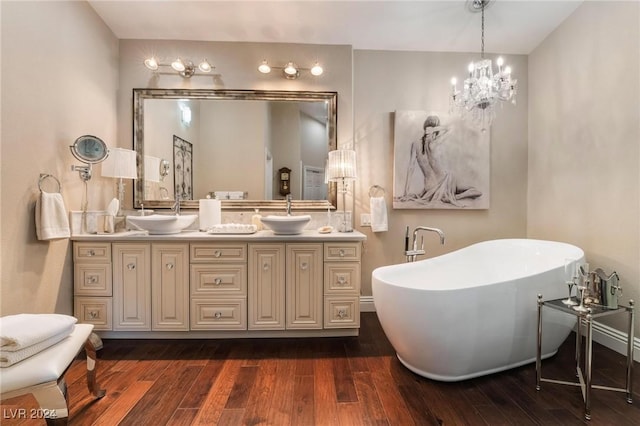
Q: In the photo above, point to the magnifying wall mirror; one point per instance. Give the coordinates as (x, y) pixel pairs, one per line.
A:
(89, 150)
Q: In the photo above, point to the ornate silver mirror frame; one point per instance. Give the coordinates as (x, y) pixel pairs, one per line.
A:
(140, 95)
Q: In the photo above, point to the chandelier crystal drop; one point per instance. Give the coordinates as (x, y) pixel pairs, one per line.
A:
(481, 90)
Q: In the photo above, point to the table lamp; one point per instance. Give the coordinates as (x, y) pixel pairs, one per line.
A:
(341, 167)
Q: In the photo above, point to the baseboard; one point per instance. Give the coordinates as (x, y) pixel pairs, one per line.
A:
(615, 340)
(366, 304)
(607, 336)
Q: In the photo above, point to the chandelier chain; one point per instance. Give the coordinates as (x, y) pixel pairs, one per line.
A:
(482, 5)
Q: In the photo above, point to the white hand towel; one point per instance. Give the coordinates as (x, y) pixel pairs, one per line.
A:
(8, 358)
(52, 220)
(24, 330)
(378, 210)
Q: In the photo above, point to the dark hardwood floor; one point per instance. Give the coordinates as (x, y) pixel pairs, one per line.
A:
(329, 381)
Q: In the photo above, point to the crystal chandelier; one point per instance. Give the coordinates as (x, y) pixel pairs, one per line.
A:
(482, 88)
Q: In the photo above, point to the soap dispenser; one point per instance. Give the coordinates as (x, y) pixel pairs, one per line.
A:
(256, 220)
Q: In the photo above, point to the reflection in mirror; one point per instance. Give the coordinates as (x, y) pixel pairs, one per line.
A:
(230, 144)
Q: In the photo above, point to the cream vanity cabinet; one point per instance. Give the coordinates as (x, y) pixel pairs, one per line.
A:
(218, 286)
(251, 286)
(150, 287)
(92, 284)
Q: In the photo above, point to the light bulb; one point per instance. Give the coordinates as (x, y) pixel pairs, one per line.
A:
(316, 69)
(290, 69)
(454, 81)
(470, 67)
(178, 65)
(507, 70)
(500, 61)
(151, 63)
(205, 66)
(264, 67)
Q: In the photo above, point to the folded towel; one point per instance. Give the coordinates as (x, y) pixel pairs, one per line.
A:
(52, 220)
(23, 330)
(378, 210)
(8, 358)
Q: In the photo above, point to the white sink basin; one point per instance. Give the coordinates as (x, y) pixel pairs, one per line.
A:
(162, 224)
(286, 225)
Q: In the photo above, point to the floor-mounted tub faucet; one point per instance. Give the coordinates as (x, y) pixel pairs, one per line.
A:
(413, 254)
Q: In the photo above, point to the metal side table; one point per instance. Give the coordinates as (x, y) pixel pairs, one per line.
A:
(584, 377)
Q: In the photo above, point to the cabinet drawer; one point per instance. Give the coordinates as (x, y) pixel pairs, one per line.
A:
(341, 312)
(218, 279)
(212, 252)
(219, 314)
(92, 252)
(94, 310)
(91, 279)
(342, 251)
(342, 278)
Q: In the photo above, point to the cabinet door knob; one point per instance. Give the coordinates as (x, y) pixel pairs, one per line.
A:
(217, 253)
(169, 266)
(265, 266)
(217, 281)
(304, 266)
(131, 266)
(217, 315)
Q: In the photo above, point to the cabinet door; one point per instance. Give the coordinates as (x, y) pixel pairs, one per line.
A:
(266, 298)
(170, 286)
(131, 286)
(304, 286)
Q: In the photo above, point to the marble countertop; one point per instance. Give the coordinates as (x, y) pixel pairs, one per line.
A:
(194, 235)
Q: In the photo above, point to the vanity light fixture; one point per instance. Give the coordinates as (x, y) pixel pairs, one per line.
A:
(291, 71)
(185, 68)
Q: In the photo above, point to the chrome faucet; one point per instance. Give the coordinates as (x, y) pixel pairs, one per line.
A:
(288, 204)
(413, 254)
(176, 205)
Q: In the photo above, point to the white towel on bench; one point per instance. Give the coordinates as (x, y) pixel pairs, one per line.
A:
(9, 358)
(23, 330)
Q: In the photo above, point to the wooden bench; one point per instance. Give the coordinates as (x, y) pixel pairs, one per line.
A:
(43, 375)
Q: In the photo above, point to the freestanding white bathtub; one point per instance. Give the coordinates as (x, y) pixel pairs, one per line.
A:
(473, 311)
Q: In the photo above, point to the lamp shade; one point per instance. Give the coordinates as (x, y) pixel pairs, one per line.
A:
(151, 169)
(121, 163)
(341, 164)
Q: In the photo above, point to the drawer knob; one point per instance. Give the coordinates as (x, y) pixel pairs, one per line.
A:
(217, 281)
(217, 315)
(341, 253)
(92, 279)
(342, 313)
(169, 266)
(342, 280)
(217, 253)
(91, 253)
(131, 266)
(93, 315)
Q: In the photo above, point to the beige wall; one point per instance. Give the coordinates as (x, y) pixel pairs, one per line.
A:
(584, 150)
(388, 81)
(236, 68)
(61, 85)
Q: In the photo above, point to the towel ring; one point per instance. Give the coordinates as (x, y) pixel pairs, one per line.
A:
(376, 191)
(45, 176)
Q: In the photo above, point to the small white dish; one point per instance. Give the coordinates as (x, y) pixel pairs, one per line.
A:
(325, 229)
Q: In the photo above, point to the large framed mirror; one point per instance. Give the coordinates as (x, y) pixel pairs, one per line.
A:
(234, 145)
